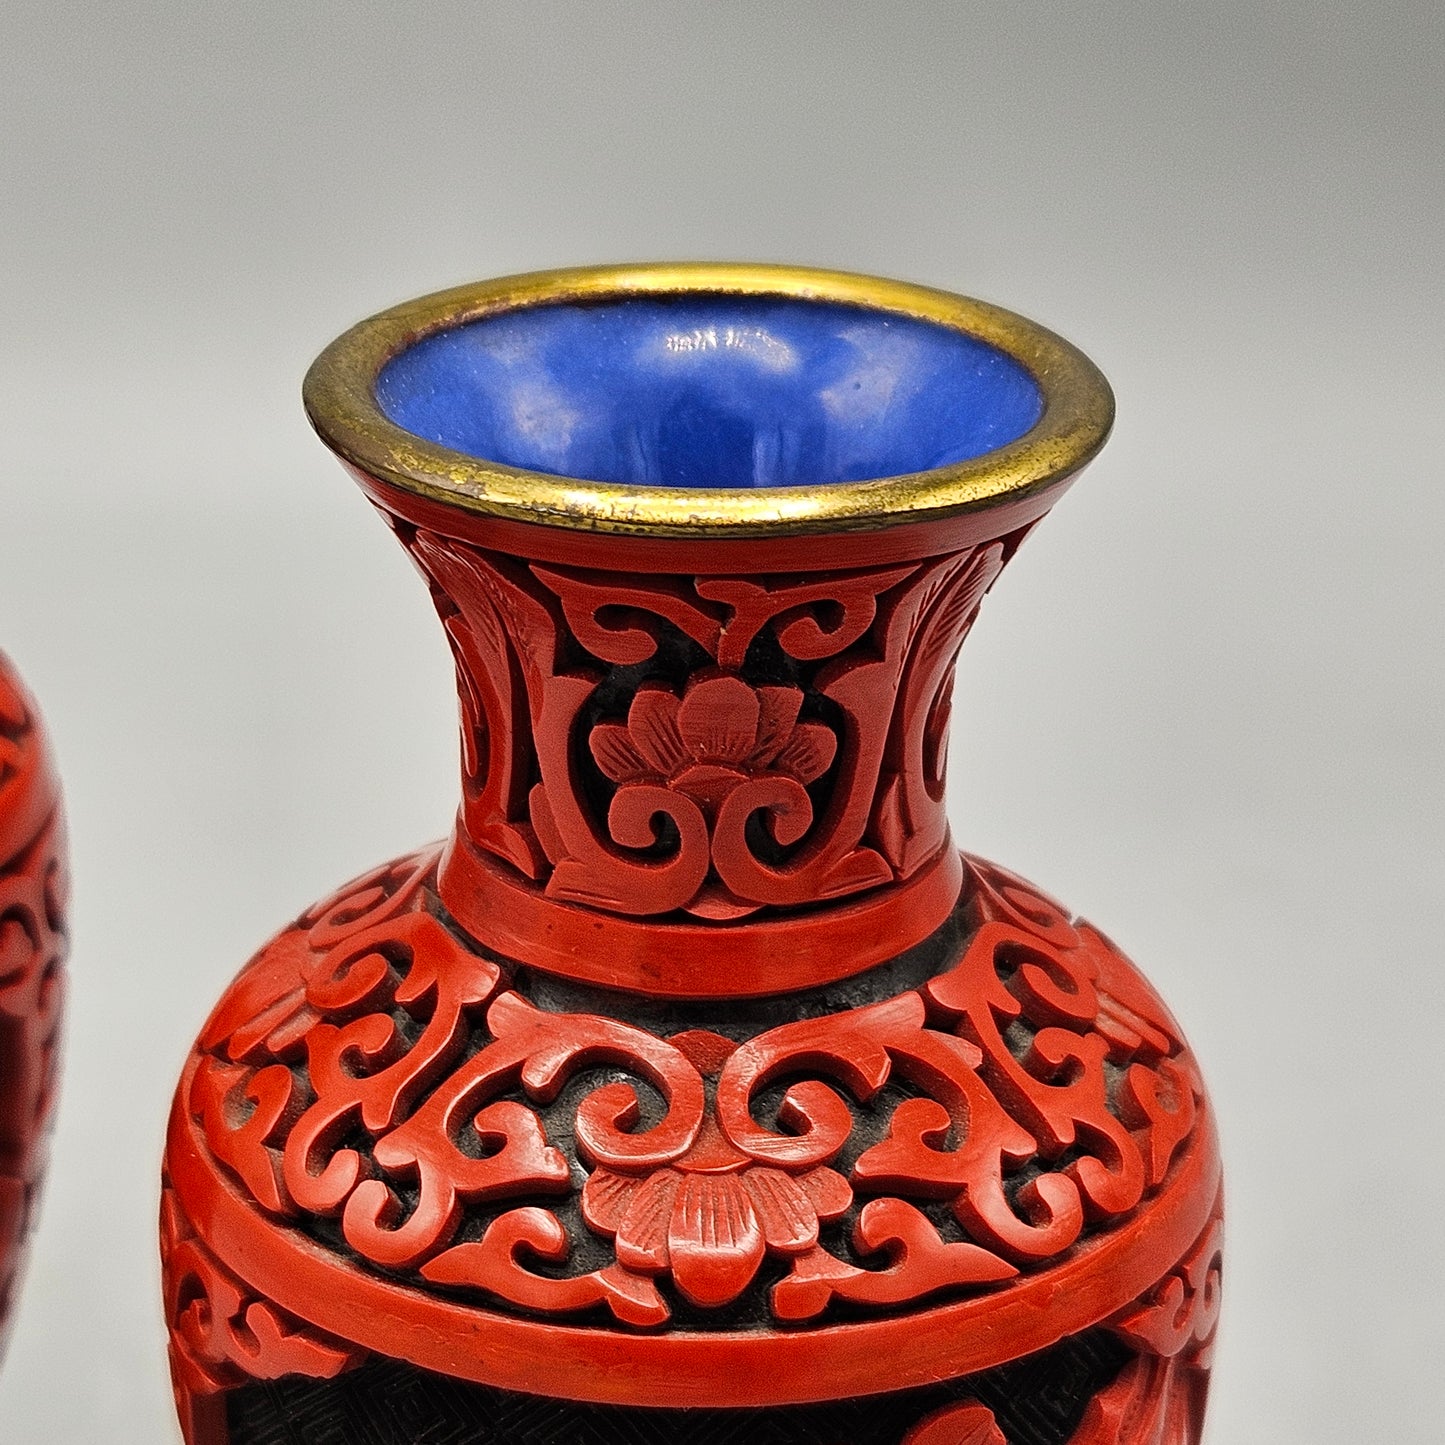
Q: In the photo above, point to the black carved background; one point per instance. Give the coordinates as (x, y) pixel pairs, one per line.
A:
(1037, 1401)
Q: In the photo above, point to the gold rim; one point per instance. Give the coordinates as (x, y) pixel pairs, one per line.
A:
(340, 399)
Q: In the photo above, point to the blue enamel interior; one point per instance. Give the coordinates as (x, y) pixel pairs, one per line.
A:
(710, 391)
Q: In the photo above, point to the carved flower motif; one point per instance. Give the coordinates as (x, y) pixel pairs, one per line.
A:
(720, 733)
(712, 1216)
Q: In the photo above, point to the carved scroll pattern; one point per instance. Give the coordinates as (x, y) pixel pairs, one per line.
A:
(717, 745)
(1146, 1404)
(372, 1078)
(221, 1333)
(1158, 1398)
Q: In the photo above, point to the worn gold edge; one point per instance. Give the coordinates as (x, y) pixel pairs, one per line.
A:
(339, 399)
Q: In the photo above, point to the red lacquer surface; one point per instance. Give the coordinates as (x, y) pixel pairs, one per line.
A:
(33, 890)
(697, 1068)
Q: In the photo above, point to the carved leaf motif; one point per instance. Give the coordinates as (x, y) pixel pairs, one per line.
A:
(361, 1071)
(541, 1050)
(489, 620)
(968, 1423)
(947, 612)
(1148, 1404)
(927, 627)
(1004, 897)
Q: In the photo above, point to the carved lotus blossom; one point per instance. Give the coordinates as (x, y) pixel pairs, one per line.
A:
(712, 1217)
(720, 733)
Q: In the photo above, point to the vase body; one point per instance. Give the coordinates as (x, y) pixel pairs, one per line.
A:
(697, 1083)
(33, 892)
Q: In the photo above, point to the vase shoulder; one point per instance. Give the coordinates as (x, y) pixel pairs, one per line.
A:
(392, 1143)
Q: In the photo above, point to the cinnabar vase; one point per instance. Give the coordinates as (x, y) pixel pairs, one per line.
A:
(697, 1087)
(33, 896)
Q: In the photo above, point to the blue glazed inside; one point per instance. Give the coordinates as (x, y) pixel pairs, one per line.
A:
(710, 391)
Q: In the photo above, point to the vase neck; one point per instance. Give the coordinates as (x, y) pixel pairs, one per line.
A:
(702, 783)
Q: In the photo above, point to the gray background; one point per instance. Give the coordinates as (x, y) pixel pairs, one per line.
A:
(1205, 704)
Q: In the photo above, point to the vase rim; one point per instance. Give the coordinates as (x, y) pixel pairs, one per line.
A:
(341, 401)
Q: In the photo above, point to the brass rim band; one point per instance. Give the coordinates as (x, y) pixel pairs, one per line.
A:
(339, 394)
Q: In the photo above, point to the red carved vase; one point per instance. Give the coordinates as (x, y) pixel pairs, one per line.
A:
(697, 1086)
(33, 892)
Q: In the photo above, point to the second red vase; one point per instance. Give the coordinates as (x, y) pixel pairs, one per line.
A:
(33, 896)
